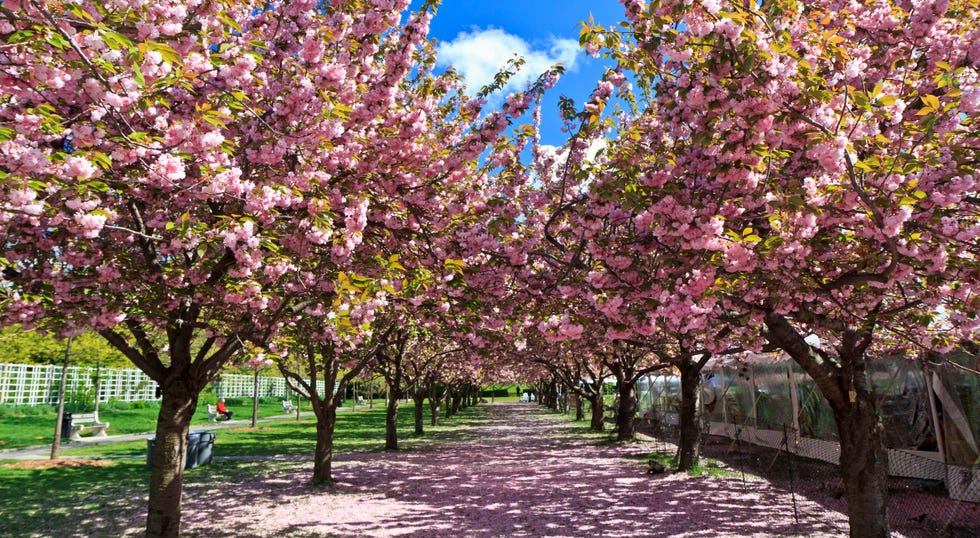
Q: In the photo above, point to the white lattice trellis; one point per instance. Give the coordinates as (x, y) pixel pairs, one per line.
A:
(34, 384)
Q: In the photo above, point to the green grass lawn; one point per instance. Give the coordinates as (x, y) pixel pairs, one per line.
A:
(22, 426)
(362, 429)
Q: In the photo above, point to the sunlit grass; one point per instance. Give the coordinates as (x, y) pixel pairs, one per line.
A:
(23, 426)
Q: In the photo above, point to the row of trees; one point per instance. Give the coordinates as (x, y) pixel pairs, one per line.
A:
(213, 182)
(203, 182)
(789, 177)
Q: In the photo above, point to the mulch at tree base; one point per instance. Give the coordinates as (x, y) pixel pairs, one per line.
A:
(58, 463)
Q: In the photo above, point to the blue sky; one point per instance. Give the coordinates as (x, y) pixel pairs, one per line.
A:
(478, 37)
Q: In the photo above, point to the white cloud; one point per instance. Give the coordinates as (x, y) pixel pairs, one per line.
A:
(478, 56)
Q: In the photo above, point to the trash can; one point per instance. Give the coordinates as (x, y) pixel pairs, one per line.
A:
(205, 448)
(66, 425)
(193, 439)
(190, 458)
(150, 441)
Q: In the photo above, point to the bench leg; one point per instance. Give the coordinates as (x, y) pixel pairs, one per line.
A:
(75, 434)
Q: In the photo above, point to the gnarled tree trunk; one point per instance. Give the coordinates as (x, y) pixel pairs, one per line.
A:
(843, 380)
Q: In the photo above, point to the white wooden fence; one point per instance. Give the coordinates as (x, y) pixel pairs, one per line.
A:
(37, 384)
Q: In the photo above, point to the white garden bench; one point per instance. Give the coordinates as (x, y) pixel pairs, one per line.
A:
(212, 413)
(86, 421)
(287, 406)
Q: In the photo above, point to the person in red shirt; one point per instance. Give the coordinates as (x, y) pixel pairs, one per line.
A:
(223, 411)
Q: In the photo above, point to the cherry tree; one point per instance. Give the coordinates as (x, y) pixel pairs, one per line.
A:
(324, 346)
(818, 160)
(169, 167)
(423, 372)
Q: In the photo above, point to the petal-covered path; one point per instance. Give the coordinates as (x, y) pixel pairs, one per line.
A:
(505, 470)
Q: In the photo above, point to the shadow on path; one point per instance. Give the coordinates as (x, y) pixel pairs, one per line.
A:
(511, 469)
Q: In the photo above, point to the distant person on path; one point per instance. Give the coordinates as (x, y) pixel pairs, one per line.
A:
(223, 411)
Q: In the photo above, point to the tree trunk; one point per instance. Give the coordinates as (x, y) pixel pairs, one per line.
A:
(391, 420)
(56, 444)
(625, 429)
(419, 398)
(323, 456)
(453, 399)
(435, 402)
(844, 382)
(597, 423)
(170, 448)
(577, 402)
(864, 467)
(255, 399)
(549, 396)
(689, 445)
(97, 382)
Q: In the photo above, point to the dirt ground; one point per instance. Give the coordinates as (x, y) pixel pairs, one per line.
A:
(58, 463)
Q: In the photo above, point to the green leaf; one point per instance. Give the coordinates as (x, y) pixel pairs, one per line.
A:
(57, 41)
(166, 52)
(98, 186)
(861, 100)
(101, 160)
(20, 36)
(223, 16)
(115, 40)
(138, 75)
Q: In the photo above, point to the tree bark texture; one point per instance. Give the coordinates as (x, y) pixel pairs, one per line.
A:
(435, 403)
(323, 454)
(419, 398)
(169, 450)
(689, 444)
(391, 420)
(625, 427)
(843, 380)
(864, 467)
(596, 424)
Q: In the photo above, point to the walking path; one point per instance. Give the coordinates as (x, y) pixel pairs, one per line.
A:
(506, 470)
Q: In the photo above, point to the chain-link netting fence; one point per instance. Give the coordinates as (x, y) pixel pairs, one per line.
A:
(916, 507)
(768, 419)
